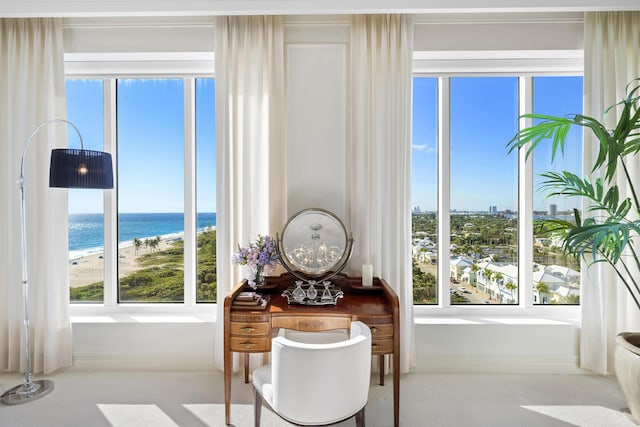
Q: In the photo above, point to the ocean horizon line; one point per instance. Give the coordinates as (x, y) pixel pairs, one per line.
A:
(140, 213)
(86, 231)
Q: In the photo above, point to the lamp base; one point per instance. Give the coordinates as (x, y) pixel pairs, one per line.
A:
(23, 393)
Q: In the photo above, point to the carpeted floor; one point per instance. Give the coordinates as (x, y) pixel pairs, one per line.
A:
(185, 399)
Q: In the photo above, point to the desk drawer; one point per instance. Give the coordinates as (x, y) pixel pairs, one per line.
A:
(381, 327)
(381, 331)
(382, 346)
(250, 328)
(250, 344)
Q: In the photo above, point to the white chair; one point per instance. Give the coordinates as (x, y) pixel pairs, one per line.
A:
(316, 384)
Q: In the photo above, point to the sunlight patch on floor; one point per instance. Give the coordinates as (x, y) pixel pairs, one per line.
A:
(585, 415)
(135, 415)
(212, 415)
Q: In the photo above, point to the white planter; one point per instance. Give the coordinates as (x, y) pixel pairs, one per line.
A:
(627, 366)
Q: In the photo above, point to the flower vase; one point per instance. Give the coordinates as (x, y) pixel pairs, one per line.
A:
(260, 281)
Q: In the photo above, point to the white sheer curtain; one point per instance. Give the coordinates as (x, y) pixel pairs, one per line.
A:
(612, 60)
(380, 157)
(249, 133)
(32, 91)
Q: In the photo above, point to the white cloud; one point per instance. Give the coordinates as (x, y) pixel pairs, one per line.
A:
(423, 147)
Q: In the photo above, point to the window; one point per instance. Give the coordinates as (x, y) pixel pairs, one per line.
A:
(556, 277)
(155, 237)
(471, 188)
(425, 190)
(150, 195)
(86, 207)
(206, 190)
(483, 194)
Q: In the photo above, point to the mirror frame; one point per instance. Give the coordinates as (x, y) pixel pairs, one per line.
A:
(323, 274)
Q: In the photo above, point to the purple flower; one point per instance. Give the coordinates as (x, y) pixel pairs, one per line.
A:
(261, 253)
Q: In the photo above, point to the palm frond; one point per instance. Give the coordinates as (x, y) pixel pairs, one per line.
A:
(608, 239)
(552, 226)
(568, 184)
(551, 127)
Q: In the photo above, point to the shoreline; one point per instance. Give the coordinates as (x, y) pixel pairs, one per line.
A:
(88, 269)
(77, 254)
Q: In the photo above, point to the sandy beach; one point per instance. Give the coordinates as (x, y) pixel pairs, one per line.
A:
(90, 269)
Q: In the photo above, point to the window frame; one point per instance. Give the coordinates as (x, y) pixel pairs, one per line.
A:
(110, 67)
(441, 64)
(525, 65)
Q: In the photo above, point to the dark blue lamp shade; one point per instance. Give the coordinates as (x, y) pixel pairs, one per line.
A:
(73, 168)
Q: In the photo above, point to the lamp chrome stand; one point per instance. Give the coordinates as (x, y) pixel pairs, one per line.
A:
(69, 169)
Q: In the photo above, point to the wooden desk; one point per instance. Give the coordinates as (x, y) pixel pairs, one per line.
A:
(249, 331)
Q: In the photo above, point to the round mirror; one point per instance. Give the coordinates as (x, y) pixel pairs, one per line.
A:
(314, 244)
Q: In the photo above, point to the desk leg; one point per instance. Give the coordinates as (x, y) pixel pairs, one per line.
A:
(246, 367)
(227, 386)
(396, 390)
(381, 366)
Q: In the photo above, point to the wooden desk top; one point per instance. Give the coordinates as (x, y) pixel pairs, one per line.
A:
(372, 301)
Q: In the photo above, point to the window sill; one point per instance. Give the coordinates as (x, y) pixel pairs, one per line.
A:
(423, 315)
(143, 313)
(497, 315)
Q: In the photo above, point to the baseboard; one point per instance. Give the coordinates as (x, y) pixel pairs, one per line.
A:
(428, 364)
(498, 364)
(142, 362)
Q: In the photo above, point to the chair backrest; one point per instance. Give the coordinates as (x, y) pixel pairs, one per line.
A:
(323, 337)
(321, 383)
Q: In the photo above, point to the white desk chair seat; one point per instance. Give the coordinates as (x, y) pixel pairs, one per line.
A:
(316, 383)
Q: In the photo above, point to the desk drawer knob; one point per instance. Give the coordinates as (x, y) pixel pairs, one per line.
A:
(374, 329)
(247, 329)
(375, 345)
(248, 344)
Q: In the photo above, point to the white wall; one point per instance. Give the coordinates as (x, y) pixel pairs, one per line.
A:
(143, 342)
(317, 64)
(316, 127)
(25, 8)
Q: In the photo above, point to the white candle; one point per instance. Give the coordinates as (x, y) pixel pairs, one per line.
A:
(367, 275)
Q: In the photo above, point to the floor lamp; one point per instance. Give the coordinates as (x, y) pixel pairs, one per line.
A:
(70, 168)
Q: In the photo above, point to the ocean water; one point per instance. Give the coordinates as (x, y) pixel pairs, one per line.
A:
(86, 231)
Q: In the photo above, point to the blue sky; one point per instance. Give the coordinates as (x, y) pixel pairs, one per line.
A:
(558, 96)
(150, 143)
(483, 118)
(484, 114)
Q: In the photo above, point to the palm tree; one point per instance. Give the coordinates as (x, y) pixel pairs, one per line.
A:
(487, 276)
(498, 278)
(542, 289)
(136, 244)
(474, 270)
(510, 287)
(154, 243)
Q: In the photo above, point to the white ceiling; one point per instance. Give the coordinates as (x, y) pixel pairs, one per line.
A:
(84, 8)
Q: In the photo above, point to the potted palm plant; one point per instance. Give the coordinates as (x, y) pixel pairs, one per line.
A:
(612, 224)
